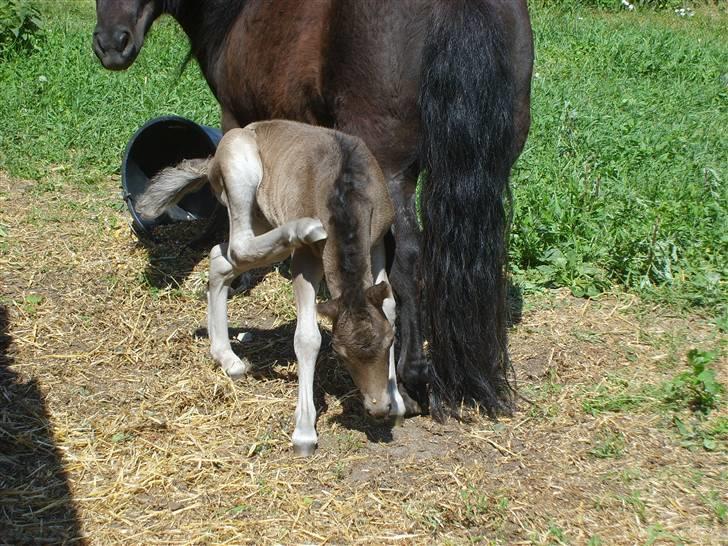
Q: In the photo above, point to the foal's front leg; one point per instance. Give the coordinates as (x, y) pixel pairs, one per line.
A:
(307, 272)
(379, 274)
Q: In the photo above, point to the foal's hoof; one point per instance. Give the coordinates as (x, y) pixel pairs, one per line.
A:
(311, 231)
(234, 367)
(304, 450)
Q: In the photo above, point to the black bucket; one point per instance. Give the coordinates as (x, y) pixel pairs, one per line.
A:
(164, 142)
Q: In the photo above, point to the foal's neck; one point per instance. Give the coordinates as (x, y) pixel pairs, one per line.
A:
(347, 266)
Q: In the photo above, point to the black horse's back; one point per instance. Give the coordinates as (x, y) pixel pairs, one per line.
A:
(373, 68)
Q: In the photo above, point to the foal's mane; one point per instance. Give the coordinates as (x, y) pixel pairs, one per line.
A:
(348, 204)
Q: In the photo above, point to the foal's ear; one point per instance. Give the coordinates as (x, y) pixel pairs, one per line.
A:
(329, 309)
(378, 293)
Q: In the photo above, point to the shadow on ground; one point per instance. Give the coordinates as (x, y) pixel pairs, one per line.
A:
(270, 347)
(36, 506)
(175, 249)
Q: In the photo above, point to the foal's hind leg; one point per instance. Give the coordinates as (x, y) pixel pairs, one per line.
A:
(240, 255)
(221, 276)
(237, 173)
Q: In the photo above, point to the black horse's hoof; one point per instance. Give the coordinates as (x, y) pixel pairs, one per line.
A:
(411, 406)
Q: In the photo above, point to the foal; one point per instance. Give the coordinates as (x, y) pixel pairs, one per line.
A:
(319, 195)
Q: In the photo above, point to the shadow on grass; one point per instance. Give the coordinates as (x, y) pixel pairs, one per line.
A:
(515, 304)
(36, 506)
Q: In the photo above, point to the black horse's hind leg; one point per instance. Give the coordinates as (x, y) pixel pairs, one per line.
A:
(412, 366)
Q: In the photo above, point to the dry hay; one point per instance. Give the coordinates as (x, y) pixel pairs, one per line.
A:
(116, 427)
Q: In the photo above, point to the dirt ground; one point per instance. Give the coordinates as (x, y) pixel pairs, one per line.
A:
(116, 427)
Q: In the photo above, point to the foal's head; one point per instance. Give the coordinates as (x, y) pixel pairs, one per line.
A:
(362, 337)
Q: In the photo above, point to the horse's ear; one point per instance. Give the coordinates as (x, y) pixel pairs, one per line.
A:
(329, 309)
(378, 293)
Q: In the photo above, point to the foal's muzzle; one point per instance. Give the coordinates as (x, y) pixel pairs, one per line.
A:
(379, 409)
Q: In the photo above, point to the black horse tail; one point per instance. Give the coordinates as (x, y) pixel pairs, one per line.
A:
(467, 102)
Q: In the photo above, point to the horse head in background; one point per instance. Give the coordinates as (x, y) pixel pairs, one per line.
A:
(119, 39)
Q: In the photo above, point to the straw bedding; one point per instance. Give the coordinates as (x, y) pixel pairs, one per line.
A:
(116, 427)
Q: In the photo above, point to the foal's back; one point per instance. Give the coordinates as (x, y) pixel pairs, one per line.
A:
(302, 167)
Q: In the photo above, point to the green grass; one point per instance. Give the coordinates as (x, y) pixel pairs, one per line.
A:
(609, 445)
(624, 179)
(64, 112)
(624, 175)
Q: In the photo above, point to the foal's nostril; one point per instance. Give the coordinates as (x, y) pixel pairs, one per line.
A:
(378, 411)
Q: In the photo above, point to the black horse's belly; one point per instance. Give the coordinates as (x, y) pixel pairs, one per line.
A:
(349, 64)
(373, 75)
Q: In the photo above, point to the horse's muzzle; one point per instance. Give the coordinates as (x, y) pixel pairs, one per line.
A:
(114, 47)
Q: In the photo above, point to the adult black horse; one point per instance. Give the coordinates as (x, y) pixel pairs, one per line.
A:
(440, 86)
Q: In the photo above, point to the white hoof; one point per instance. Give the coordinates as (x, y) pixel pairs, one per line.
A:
(304, 450)
(233, 366)
(398, 408)
(305, 441)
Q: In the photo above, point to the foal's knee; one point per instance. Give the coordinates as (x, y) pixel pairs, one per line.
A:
(239, 254)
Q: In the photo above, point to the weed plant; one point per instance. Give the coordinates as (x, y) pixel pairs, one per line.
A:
(20, 25)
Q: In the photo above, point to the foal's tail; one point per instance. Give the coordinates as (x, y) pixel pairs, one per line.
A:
(170, 185)
(466, 99)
